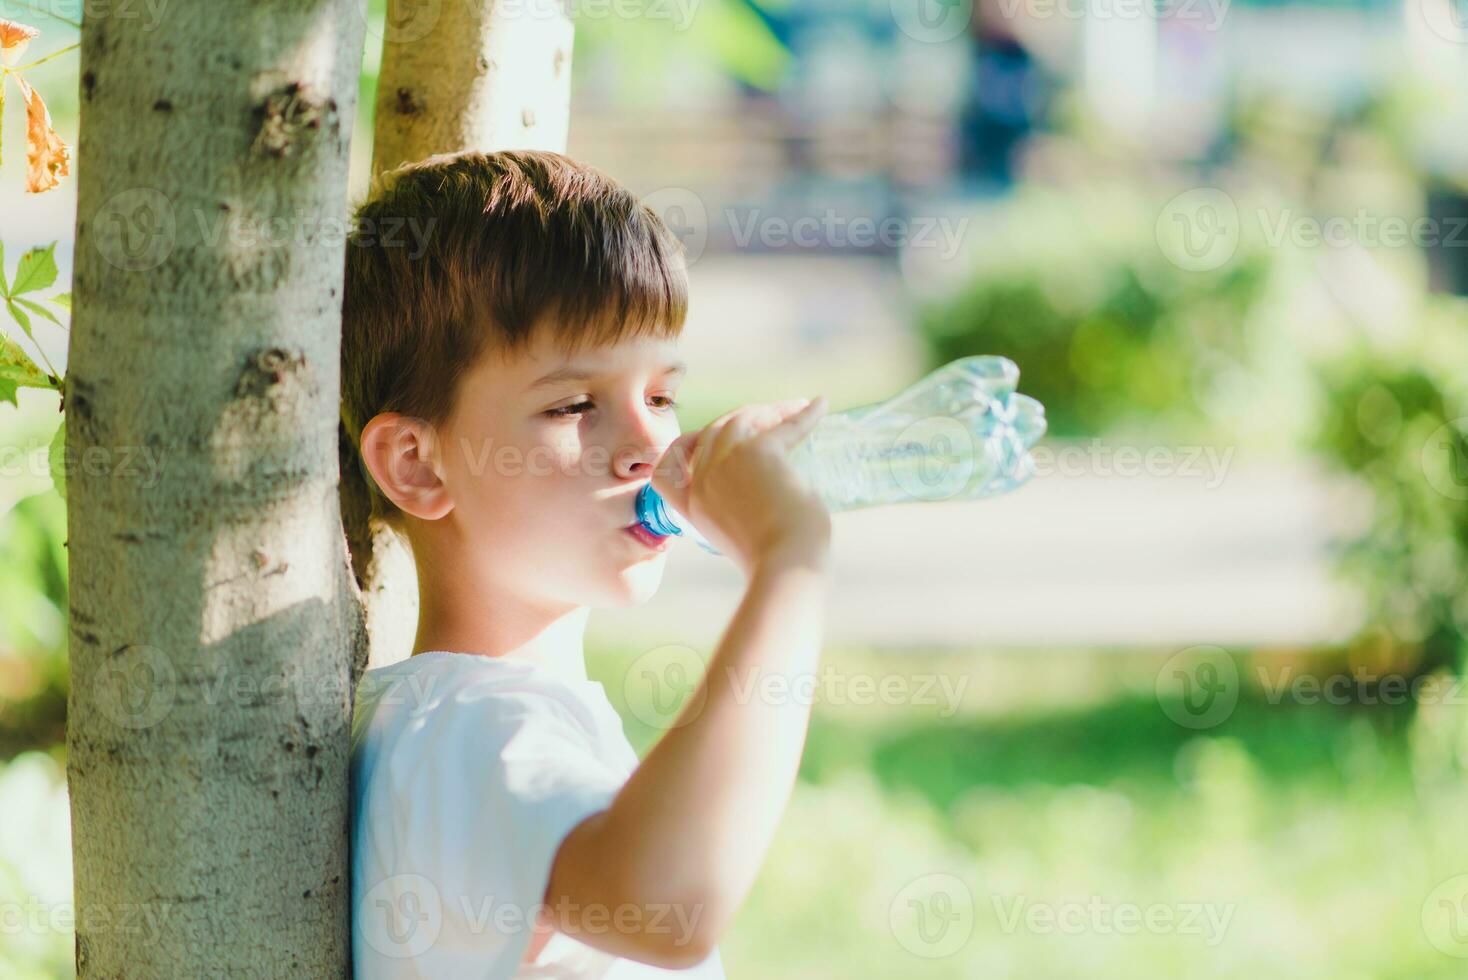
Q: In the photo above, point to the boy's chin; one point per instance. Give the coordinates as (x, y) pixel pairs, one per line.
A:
(634, 585)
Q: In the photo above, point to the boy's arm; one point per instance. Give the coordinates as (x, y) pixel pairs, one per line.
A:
(675, 854)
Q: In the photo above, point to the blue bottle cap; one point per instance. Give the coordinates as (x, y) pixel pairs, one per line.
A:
(652, 514)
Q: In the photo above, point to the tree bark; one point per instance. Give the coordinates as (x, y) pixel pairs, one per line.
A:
(456, 75)
(212, 606)
(472, 75)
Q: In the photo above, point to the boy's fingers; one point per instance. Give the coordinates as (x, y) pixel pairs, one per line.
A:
(735, 428)
(761, 419)
(785, 421)
(797, 426)
(789, 407)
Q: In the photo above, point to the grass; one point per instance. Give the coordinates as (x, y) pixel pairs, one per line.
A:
(1291, 841)
(1051, 824)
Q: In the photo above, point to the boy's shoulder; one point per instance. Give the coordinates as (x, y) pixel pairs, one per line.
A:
(479, 698)
(438, 679)
(431, 677)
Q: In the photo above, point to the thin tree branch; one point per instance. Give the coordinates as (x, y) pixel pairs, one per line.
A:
(41, 61)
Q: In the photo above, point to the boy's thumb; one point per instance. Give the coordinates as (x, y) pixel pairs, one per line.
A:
(673, 471)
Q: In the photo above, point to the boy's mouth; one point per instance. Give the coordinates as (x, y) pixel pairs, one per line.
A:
(656, 542)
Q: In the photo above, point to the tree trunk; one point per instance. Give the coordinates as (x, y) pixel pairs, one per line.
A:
(212, 605)
(474, 75)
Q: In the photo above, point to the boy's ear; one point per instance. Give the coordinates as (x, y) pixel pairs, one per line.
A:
(401, 453)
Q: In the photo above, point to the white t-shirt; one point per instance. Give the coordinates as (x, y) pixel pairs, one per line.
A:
(467, 773)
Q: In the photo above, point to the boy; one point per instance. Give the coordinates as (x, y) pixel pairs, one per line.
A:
(509, 384)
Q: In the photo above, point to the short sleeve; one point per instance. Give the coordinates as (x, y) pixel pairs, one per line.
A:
(485, 787)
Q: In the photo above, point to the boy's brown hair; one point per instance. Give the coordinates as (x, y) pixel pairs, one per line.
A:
(463, 253)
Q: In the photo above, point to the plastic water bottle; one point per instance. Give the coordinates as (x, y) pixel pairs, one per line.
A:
(960, 433)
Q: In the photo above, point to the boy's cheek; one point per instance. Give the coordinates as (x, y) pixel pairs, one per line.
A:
(533, 506)
(538, 461)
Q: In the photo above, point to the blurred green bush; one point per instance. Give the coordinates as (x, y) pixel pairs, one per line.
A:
(1397, 421)
(1339, 352)
(1108, 334)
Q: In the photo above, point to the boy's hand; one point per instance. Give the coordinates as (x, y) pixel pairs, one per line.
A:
(733, 480)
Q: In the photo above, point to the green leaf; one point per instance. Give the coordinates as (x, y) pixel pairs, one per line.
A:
(39, 310)
(17, 368)
(62, 300)
(37, 270)
(20, 317)
(4, 286)
(7, 392)
(56, 459)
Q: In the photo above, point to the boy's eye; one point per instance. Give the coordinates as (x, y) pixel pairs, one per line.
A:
(566, 411)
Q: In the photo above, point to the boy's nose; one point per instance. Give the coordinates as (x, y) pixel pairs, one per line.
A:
(636, 459)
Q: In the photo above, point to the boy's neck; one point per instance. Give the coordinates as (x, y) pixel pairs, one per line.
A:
(557, 645)
(459, 615)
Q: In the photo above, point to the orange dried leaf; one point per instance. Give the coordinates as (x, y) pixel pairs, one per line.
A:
(14, 39)
(47, 155)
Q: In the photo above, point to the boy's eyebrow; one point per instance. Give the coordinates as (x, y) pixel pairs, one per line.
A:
(677, 368)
